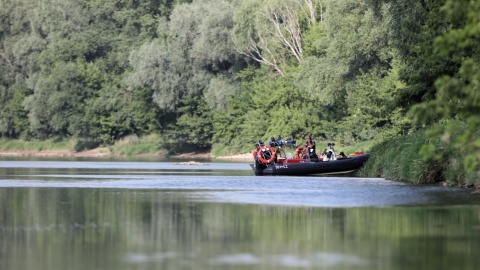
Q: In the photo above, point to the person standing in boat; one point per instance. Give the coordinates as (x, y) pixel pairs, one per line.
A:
(310, 147)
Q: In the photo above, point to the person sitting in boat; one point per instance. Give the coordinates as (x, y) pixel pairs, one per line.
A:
(310, 147)
(277, 145)
(329, 154)
(341, 155)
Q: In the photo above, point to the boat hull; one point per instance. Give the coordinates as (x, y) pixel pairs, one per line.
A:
(339, 166)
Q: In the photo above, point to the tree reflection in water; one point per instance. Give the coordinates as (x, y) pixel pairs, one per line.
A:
(82, 228)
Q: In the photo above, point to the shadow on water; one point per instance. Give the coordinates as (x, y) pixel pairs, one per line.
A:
(80, 216)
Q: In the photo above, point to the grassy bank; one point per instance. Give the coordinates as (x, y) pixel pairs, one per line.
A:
(399, 159)
(129, 146)
(37, 145)
(396, 159)
(133, 146)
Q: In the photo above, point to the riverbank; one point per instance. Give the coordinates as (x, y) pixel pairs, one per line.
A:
(129, 147)
(104, 152)
(396, 159)
(399, 159)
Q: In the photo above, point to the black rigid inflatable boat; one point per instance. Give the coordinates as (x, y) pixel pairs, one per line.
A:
(340, 166)
(269, 160)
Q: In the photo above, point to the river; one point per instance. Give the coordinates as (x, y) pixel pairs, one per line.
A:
(80, 214)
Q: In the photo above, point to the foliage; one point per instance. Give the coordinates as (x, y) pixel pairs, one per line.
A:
(271, 32)
(194, 126)
(398, 159)
(133, 145)
(403, 158)
(351, 42)
(62, 67)
(37, 145)
(372, 113)
(187, 64)
(458, 97)
(264, 109)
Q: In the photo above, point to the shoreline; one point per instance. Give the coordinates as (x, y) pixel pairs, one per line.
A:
(105, 153)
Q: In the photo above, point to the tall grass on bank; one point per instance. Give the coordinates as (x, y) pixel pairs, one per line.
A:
(128, 146)
(133, 145)
(400, 159)
(37, 145)
(358, 147)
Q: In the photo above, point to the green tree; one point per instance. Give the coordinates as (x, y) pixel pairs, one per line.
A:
(372, 112)
(267, 107)
(415, 24)
(18, 62)
(198, 49)
(271, 32)
(454, 110)
(191, 64)
(354, 42)
(56, 105)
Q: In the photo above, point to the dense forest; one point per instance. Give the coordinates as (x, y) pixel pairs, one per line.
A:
(221, 74)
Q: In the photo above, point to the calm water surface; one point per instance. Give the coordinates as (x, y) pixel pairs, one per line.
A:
(160, 215)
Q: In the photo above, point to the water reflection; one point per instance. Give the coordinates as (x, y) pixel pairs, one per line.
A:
(78, 228)
(157, 215)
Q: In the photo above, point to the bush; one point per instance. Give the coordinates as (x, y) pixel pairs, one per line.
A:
(134, 145)
(86, 144)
